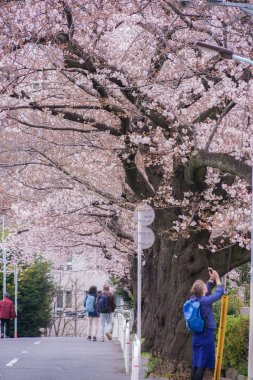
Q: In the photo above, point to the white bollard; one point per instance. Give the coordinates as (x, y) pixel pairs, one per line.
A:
(136, 359)
(123, 335)
(127, 347)
(131, 318)
(116, 326)
(120, 329)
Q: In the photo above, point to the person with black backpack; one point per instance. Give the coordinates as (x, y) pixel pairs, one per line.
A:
(90, 304)
(203, 346)
(106, 307)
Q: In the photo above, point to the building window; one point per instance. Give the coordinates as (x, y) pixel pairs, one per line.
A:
(59, 300)
(36, 86)
(68, 298)
(69, 263)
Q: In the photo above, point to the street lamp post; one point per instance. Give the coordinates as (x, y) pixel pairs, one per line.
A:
(16, 300)
(228, 54)
(250, 359)
(224, 53)
(247, 8)
(4, 257)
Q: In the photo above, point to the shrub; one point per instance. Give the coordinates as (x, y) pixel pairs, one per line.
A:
(236, 343)
(234, 305)
(35, 297)
(153, 363)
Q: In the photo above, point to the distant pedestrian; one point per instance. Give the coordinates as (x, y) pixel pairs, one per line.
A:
(106, 307)
(203, 343)
(90, 304)
(7, 312)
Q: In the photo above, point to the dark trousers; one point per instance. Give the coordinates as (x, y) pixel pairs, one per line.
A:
(197, 373)
(6, 323)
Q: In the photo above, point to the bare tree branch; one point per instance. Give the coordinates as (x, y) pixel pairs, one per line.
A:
(230, 105)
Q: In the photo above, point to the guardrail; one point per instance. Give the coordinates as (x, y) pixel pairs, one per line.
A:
(122, 328)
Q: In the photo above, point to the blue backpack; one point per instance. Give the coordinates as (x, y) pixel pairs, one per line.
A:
(103, 304)
(90, 303)
(193, 319)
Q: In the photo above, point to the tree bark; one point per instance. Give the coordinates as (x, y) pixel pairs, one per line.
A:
(170, 269)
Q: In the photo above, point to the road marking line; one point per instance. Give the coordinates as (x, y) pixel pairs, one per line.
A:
(12, 362)
(37, 342)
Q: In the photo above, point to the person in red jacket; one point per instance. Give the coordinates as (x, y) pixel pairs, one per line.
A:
(7, 312)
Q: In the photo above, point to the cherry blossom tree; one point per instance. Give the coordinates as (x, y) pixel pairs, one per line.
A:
(106, 104)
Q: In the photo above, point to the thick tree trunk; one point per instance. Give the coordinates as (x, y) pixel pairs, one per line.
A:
(170, 269)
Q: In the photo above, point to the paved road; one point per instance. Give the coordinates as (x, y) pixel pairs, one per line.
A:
(60, 359)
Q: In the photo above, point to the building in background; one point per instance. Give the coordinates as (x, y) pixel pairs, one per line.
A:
(73, 280)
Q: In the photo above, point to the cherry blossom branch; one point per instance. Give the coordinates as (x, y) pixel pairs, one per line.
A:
(220, 259)
(228, 108)
(36, 126)
(136, 179)
(200, 159)
(88, 185)
(134, 96)
(83, 234)
(69, 17)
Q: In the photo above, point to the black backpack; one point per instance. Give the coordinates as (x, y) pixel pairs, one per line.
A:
(103, 304)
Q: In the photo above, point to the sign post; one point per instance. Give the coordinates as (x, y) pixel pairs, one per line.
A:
(144, 215)
(139, 254)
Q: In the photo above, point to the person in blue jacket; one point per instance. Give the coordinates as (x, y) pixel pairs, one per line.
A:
(203, 345)
(90, 304)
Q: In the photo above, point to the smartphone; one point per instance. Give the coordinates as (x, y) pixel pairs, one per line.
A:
(210, 269)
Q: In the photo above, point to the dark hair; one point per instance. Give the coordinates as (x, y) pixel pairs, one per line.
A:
(93, 289)
(106, 288)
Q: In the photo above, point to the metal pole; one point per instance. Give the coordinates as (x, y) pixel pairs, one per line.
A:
(248, 8)
(139, 268)
(221, 337)
(238, 58)
(250, 353)
(4, 257)
(16, 301)
(250, 358)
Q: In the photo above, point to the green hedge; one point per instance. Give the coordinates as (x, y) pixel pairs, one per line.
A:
(236, 343)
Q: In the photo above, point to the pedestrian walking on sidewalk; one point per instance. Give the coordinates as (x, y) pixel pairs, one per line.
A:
(203, 345)
(7, 312)
(106, 307)
(90, 304)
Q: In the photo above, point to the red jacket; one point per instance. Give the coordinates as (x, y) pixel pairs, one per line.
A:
(7, 310)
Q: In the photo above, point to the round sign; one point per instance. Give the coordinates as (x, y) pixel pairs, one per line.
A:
(147, 237)
(146, 214)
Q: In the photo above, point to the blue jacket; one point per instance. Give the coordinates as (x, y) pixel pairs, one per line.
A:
(206, 302)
